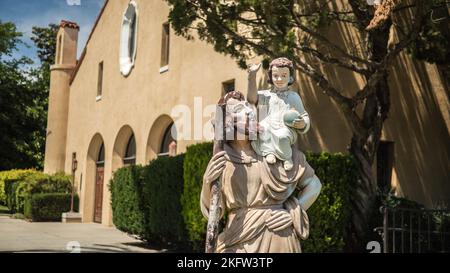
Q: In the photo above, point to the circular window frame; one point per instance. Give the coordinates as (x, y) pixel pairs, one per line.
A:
(127, 58)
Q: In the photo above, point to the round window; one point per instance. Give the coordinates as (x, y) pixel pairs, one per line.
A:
(128, 38)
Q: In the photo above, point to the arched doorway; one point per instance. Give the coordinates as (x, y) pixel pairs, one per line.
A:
(99, 177)
(92, 195)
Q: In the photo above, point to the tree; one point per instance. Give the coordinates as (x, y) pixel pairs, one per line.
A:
(274, 28)
(44, 39)
(16, 121)
(24, 98)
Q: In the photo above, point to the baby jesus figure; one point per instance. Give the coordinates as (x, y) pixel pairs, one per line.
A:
(281, 113)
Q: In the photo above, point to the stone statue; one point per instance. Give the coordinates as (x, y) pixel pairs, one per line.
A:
(266, 203)
(281, 113)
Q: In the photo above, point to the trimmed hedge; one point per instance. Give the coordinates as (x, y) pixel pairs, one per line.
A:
(48, 206)
(162, 189)
(126, 200)
(152, 202)
(195, 163)
(329, 216)
(146, 200)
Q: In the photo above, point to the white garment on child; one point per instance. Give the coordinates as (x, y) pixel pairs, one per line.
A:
(277, 138)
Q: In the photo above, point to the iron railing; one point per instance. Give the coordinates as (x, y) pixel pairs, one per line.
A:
(408, 230)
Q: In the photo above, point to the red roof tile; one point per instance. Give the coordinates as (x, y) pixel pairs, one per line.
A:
(69, 24)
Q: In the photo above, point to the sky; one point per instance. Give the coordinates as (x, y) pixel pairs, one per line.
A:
(28, 13)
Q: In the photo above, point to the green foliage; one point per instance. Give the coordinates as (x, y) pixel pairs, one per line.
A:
(221, 20)
(45, 40)
(329, 216)
(126, 200)
(12, 179)
(162, 189)
(10, 191)
(11, 175)
(21, 184)
(9, 38)
(433, 42)
(146, 200)
(23, 99)
(48, 206)
(195, 163)
(41, 183)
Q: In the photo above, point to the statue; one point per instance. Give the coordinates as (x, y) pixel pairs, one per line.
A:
(266, 203)
(285, 115)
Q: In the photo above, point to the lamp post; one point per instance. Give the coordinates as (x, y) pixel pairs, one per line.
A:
(74, 168)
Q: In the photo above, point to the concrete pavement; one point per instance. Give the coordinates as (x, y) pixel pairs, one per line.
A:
(22, 236)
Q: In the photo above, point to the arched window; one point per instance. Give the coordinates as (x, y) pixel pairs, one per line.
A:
(168, 144)
(130, 152)
(101, 156)
(128, 38)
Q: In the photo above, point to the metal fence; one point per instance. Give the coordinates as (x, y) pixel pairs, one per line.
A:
(415, 230)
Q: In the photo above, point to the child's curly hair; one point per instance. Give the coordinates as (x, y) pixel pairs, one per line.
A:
(282, 62)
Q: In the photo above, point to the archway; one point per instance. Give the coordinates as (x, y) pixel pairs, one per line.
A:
(99, 177)
(124, 152)
(93, 194)
(162, 138)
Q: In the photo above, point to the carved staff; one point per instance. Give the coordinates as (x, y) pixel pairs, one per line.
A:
(212, 230)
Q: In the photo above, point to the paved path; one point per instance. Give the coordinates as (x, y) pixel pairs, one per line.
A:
(22, 236)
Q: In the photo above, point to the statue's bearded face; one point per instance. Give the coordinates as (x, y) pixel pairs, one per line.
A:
(241, 117)
(280, 77)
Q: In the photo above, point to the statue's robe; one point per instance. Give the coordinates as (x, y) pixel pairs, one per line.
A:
(251, 190)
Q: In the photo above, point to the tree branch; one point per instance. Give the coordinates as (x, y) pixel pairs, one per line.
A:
(325, 58)
(362, 15)
(327, 42)
(419, 19)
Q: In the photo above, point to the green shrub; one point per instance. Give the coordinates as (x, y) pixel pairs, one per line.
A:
(11, 175)
(48, 206)
(24, 183)
(26, 186)
(162, 189)
(10, 191)
(195, 163)
(59, 182)
(146, 200)
(329, 216)
(126, 200)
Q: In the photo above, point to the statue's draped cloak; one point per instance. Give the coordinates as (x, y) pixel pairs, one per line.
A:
(251, 190)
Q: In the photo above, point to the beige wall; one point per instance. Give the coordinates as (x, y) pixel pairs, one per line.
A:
(142, 103)
(140, 99)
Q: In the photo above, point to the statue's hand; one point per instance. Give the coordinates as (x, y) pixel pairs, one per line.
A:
(279, 220)
(215, 167)
(253, 69)
(299, 124)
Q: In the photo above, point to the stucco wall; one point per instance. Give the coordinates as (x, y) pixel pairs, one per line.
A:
(416, 122)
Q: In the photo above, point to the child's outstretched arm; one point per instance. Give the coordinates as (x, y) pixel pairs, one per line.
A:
(252, 93)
